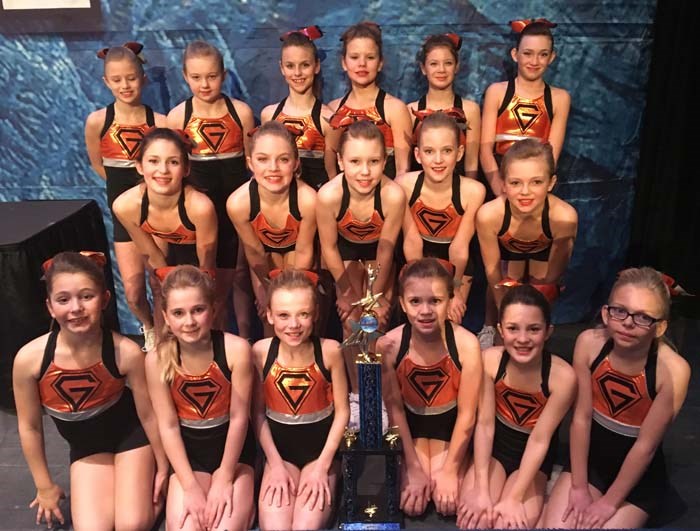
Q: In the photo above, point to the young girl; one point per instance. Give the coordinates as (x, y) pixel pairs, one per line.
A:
(78, 374)
(526, 106)
(274, 214)
(631, 385)
(359, 217)
(200, 381)
(439, 63)
(526, 393)
(218, 126)
(302, 111)
(362, 60)
(170, 222)
(441, 206)
(301, 419)
(527, 235)
(113, 137)
(431, 377)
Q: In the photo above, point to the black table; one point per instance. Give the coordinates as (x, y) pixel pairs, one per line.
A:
(33, 231)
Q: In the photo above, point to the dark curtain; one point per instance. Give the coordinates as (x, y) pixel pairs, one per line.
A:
(666, 217)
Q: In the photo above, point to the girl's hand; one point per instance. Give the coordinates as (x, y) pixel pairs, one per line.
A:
(47, 501)
(457, 308)
(279, 487)
(415, 491)
(344, 302)
(383, 311)
(474, 506)
(315, 490)
(445, 492)
(511, 514)
(219, 499)
(160, 485)
(194, 504)
(579, 500)
(597, 513)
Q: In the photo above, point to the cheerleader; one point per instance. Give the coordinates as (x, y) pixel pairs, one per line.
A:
(302, 111)
(218, 127)
(431, 377)
(113, 137)
(362, 60)
(631, 385)
(439, 62)
(525, 106)
(91, 382)
(274, 213)
(442, 206)
(525, 394)
(302, 411)
(200, 381)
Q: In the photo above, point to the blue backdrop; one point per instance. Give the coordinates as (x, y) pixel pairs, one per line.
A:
(52, 81)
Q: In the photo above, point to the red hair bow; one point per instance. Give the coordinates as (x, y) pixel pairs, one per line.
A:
(453, 112)
(519, 25)
(310, 32)
(96, 256)
(313, 277)
(340, 121)
(186, 139)
(455, 39)
(135, 47)
(162, 272)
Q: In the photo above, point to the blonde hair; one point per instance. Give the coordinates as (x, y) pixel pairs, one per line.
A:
(291, 279)
(649, 278)
(202, 49)
(185, 276)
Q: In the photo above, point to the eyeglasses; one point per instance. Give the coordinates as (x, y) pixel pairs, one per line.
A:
(640, 319)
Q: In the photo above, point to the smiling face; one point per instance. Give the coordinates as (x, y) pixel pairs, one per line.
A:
(76, 302)
(440, 68)
(362, 160)
(438, 151)
(163, 167)
(362, 61)
(634, 299)
(527, 184)
(299, 67)
(533, 56)
(425, 301)
(189, 314)
(124, 79)
(273, 162)
(204, 76)
(524, 331)
(291, 314)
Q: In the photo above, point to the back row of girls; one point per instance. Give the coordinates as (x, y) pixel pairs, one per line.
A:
(219, 127)
(211, 395)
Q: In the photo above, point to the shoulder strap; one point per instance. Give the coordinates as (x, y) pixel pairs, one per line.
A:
(417, 188)
(109, 119)
(188, 112)
(423, 102)
(452, 344)
(405, 343)
(457, 103)
(49, 351)
(607, 347)
(182, 211)
(318, 358)
(457, 193)
(108, 358)
(294, 200)
(379, 104)
(144, 206)
(501, 372)
(342, 102)
(548, 101)
(232, 111)
(378, 200)
(218, 344)
(506, 219)
(650, 368)
(510, 91)
(271, 356)
(279, 108)
(344, 200)
(254, 199)
(546, 369)
(316, 115)
(150, 117)
(546, 228)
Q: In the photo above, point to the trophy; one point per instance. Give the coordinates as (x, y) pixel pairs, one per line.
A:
(370, 464)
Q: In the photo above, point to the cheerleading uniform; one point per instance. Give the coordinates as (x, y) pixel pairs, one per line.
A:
(119, 146)
(520, 118)
(517, 413)
(621, 402)
(182, 248)
(308, 135)
(376, 115)
(275, 240)
(513, 249)
(203, 403)
(218, 168)
(92, 408)
(299, 405)
(429, 392)
(358, 240)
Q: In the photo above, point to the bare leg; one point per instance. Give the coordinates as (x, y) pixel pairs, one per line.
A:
(132, 270)
(134, 471)
(92, 493)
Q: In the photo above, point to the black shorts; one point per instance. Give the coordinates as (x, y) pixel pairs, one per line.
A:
(300, 444)
(182, 254)
(119, 180)
(116, 430)
(205, 447)
(218, 179)
(313, 172)
(438, 427)
(509, 447)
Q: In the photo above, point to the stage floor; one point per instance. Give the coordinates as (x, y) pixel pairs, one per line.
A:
(681, 447)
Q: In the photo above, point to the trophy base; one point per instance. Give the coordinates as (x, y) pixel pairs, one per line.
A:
(364, 526)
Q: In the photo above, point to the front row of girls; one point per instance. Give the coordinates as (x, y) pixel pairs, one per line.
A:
(511, 398)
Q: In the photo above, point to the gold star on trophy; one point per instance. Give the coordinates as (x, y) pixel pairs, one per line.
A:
(365, 330)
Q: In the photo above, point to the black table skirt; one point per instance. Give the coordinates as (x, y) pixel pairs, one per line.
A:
(32, 232)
